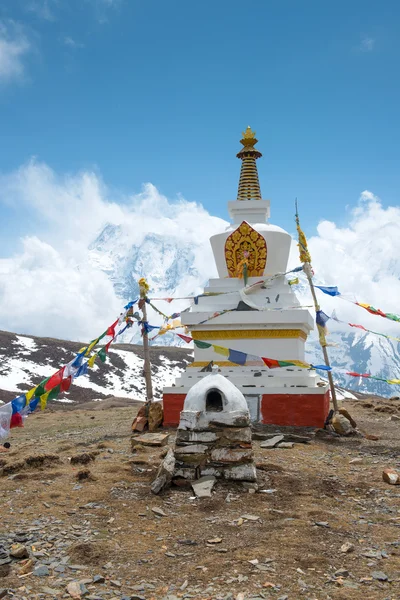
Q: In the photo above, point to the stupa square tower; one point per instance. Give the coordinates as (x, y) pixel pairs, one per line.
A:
(263, 318)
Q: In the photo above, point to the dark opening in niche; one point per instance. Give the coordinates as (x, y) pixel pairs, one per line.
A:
(214, 401)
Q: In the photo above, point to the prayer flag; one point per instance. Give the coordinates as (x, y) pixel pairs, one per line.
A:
(41, 389)
(43, 400)
(102, 355)
(270, 363)
(111, 329)
(16, 420)
(202, 345)
(221, 350)
(30, 394)
(185, 338)
(330, 290)
(54, 380)
(18, 404)
(237, 357)
(66, 383)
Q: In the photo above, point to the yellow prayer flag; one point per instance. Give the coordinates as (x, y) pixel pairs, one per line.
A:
(303, 365)
(394, 381)
(92, 360)
(221, 350)
(91, 346)
(294, 281)
(321, 334)
(30, 394)
(43, 400)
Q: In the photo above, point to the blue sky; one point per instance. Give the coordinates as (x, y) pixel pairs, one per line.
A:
(160, 91)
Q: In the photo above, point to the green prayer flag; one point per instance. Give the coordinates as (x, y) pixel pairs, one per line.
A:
(202, 345)
(40, 388)
(54, 392)
(102, 355)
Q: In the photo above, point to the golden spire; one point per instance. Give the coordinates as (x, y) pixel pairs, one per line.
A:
(249, 186)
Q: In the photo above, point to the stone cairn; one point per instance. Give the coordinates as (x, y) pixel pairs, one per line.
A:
(213, 437)
(224, 451)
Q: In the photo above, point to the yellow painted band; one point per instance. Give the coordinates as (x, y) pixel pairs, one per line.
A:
(233, 334)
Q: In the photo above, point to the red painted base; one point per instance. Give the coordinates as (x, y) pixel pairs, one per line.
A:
(172, 405)
(301, 410)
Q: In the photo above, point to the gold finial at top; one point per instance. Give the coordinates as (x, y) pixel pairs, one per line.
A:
(248, 133)
(249, 139)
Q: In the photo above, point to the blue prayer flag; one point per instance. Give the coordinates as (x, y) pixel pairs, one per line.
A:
(237, 357)
(330, 290)
(18, 404)
(321, 318)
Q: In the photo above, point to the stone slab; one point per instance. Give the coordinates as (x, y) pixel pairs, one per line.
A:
(164, 473)
(246, 472)
(231, 455)
(271, 443)
(184, 436)
(203, 487)
(193, 449)
(152, 439)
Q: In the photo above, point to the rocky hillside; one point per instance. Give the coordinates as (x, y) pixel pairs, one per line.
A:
(26, 360)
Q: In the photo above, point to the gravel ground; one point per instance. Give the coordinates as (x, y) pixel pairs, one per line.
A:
(323, 524)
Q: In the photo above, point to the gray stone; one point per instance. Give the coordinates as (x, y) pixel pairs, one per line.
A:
(19, 551)
(164, 473)
(187, 473)
(202, 487)
(379, 576)
(342, 573)
(152, 439)
(184, 436)
(50, 591)
(192, 449)
(231, 455)
(271, 443)
(285, 445)
(98, 579)
(3, 592)
(245, 472)
(158, 511)
(41, 571)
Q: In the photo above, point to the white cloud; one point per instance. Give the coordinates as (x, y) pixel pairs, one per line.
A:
(363, 260)
(14, 46)
(71, 43)
(51, 288)
(367, 44)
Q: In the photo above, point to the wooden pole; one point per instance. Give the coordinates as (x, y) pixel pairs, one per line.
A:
(143, 288)
(306, 260)
(307, 271)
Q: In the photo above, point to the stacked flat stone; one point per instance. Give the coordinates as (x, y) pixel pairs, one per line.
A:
(220, 450)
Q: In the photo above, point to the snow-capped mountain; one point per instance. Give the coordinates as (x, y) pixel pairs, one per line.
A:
(172, 267)
(27, 360)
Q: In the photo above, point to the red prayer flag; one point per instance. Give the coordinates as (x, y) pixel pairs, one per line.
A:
(65, 384)
(111, 329)
(270, 362)
(358, 374)
(359, 326)
(107, 346)
(16, 421)
(54, 380)
(185, 338)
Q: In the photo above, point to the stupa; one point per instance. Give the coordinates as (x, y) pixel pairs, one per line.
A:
(262, 318)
